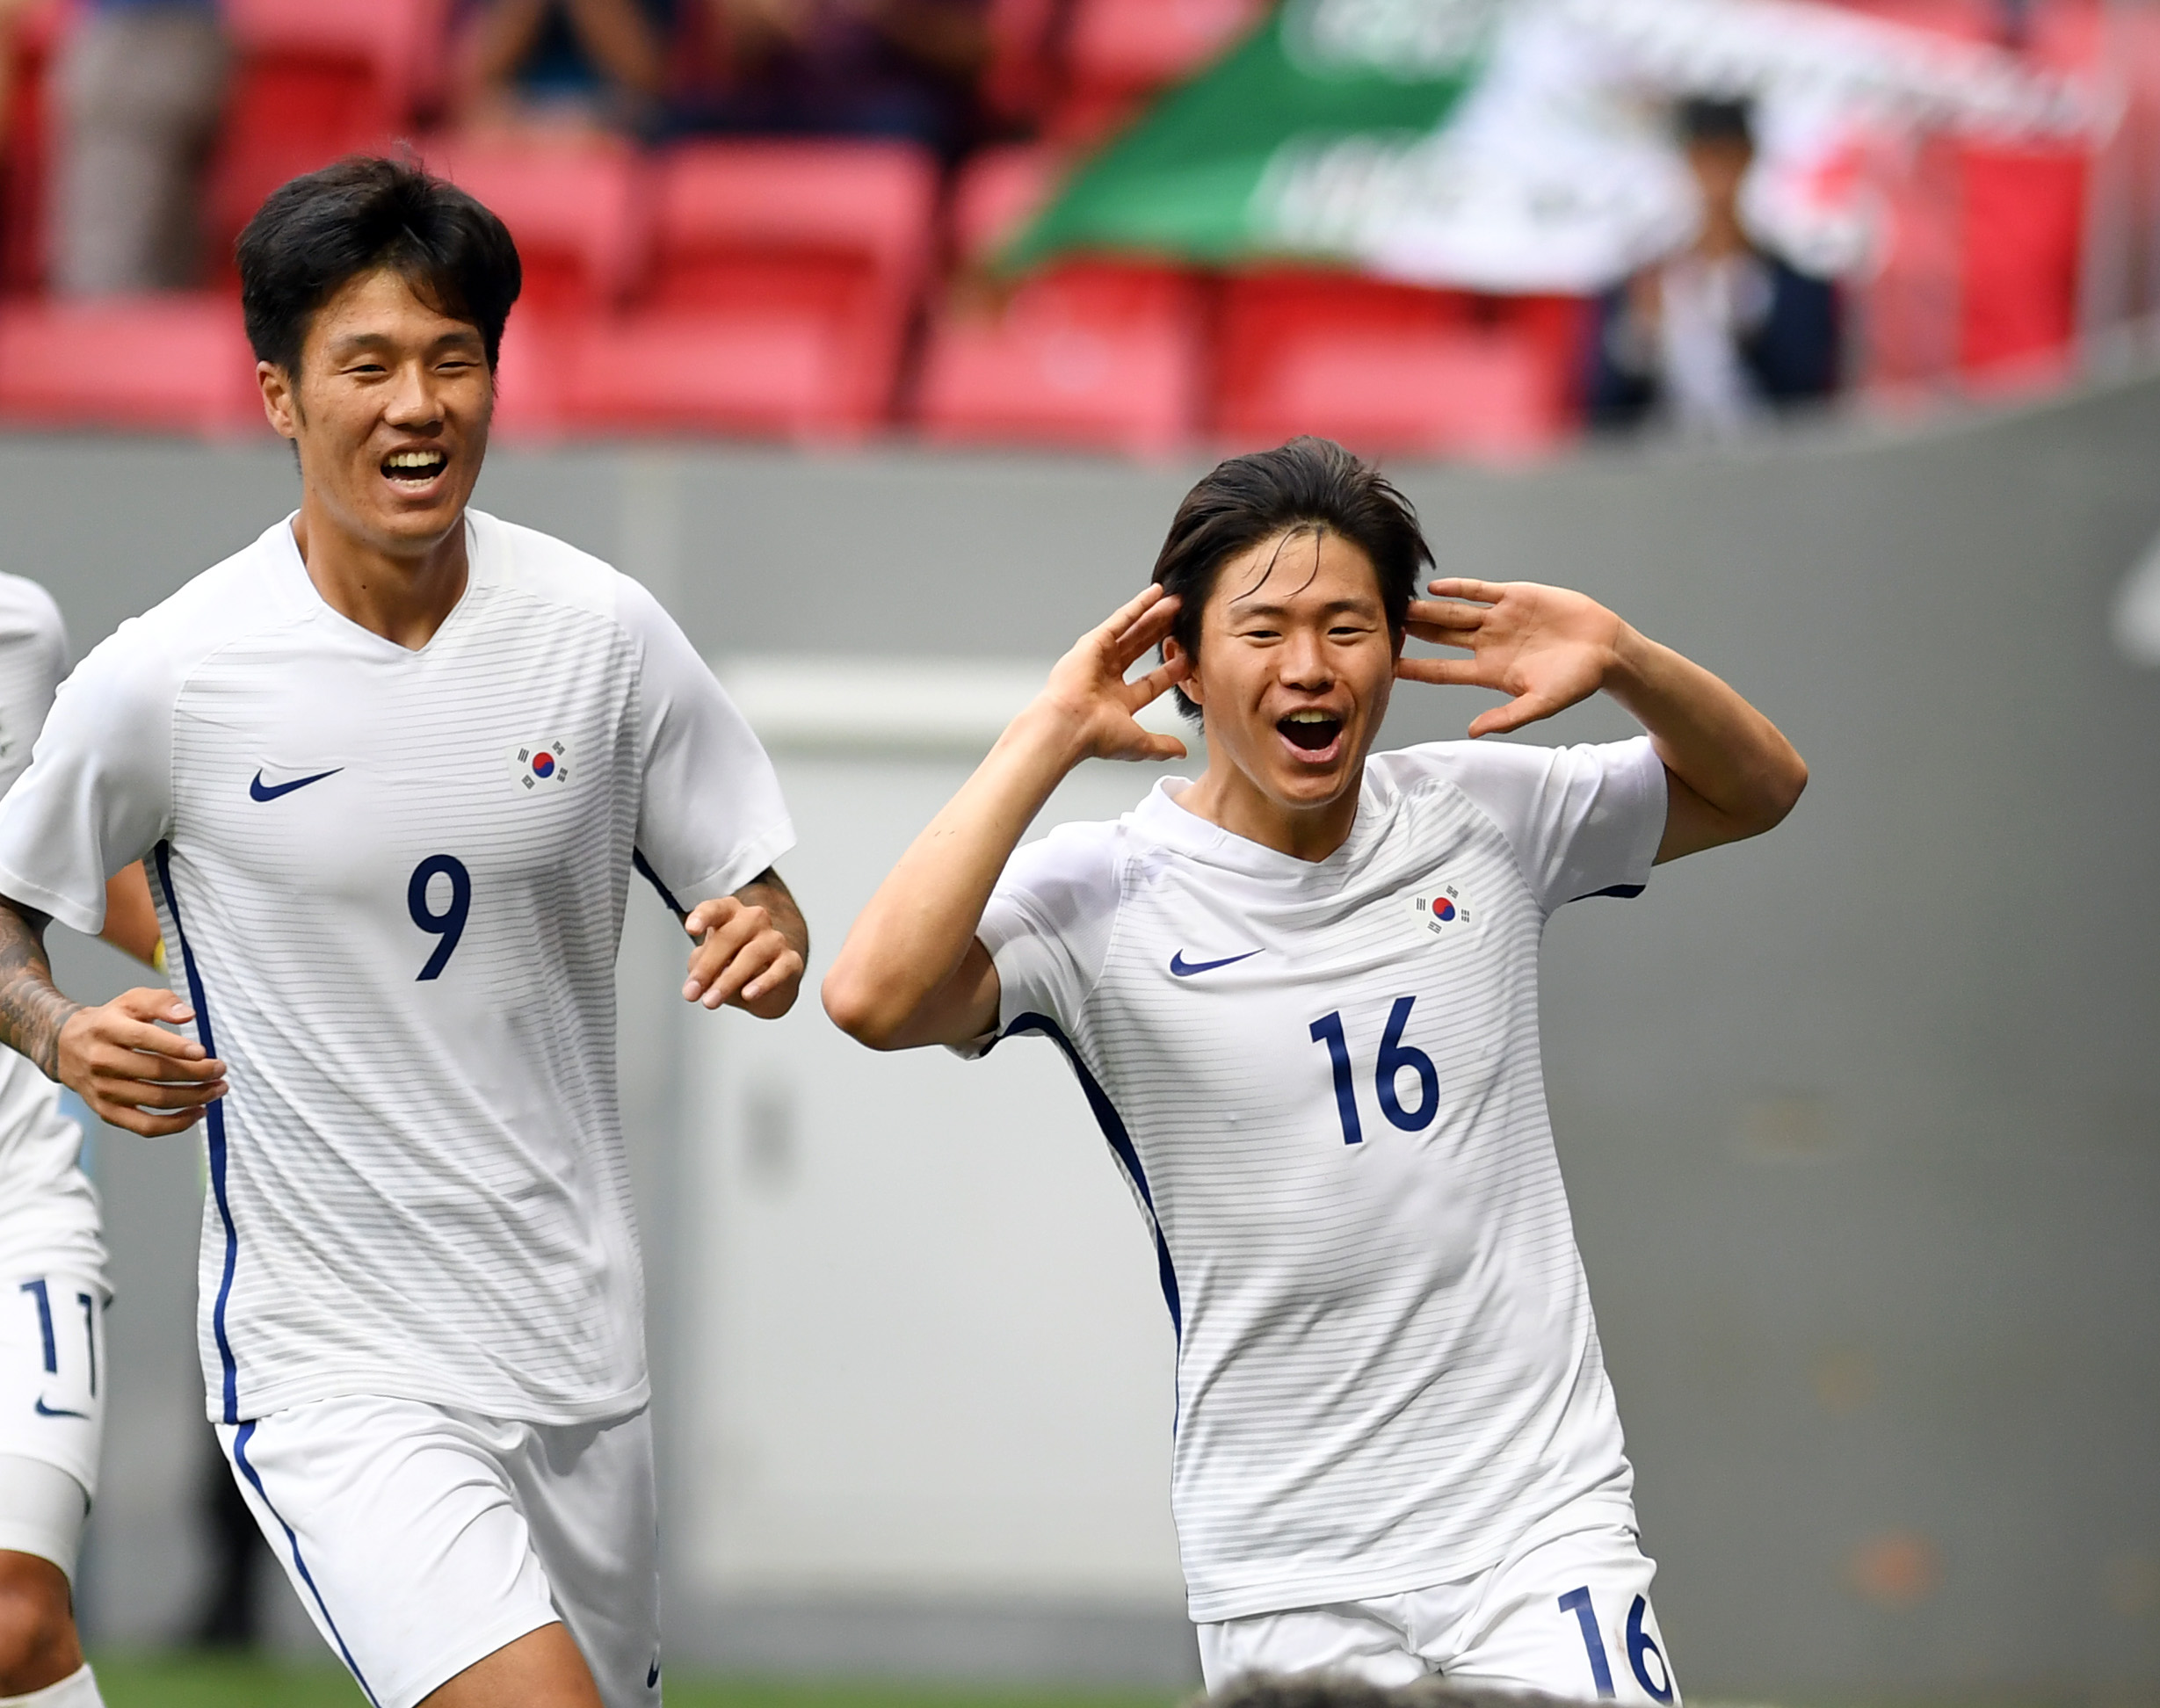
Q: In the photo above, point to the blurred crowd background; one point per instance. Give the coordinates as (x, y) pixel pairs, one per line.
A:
(824, 220)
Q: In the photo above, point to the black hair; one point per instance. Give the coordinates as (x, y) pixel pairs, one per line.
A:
(1707, 119)
(314, 232)
(1307, 486)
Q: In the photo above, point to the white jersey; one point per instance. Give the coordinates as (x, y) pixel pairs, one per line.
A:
(1322, 1080)
(48, 1212)
(393, 882)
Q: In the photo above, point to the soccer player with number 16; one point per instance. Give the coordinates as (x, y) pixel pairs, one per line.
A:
(1300, 994)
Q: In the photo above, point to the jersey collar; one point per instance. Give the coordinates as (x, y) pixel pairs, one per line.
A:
(1162, 821)
(482, 568)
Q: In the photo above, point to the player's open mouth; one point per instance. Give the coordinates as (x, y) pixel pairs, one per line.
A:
(1311, 732)
(415, 467)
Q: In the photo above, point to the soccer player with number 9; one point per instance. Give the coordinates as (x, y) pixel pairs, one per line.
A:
(392, 767)
(1301, 994)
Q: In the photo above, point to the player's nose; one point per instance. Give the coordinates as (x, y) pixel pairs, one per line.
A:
(1305, 664)
(413, 401)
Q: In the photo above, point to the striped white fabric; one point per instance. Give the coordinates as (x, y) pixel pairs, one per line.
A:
(393, 882)
(48, 1212)
(1322, 1082)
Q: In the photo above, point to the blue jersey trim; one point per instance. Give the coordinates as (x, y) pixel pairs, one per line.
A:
(213, 1119)
(644, 867)
(1106, 1116)
(1625, 892)
(240, 1458)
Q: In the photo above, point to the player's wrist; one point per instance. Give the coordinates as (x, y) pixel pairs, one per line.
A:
(51, 1059)
(1047, 734)
(1630, 660)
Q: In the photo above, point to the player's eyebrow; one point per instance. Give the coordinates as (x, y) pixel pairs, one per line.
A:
(354, 344)
(1360, 607)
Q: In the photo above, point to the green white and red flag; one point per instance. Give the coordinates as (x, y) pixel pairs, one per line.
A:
(1524, 145)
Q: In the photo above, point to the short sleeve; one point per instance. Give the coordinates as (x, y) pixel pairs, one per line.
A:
(33, 658)
(1582, 821)
(710, 815)
(99, 792)
(1047, 926)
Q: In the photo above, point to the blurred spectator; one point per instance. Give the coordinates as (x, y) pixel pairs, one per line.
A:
(839, 68)
(1724, 333)
(141, 84)
(580, 64)
(11, 28)
(230, 1615)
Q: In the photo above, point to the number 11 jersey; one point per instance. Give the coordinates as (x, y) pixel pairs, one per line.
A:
(392, 884)
(1322, 1082)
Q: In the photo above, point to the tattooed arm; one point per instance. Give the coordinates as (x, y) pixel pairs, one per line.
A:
(32, 1010)
(131, 1070)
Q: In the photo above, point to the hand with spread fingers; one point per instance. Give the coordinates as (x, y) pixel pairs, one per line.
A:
(1730, 772)
(1092, 701)
(913, 971)
(1547, 648)
(123, 1061)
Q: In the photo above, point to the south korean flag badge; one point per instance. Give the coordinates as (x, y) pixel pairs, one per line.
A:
(1438, 912)
(541, 767)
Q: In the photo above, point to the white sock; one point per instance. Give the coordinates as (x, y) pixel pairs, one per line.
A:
(77, 1690)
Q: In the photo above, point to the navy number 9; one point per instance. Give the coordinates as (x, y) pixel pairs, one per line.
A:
(449, 925)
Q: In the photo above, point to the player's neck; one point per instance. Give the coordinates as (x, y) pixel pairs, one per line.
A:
(1226, 797)
(402, 597)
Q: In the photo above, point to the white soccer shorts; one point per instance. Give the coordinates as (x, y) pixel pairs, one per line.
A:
(52, 1411)
(1569, 1617)
(422, 1539)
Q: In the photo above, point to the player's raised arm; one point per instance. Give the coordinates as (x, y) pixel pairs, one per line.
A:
(1730, 772)
(119, 1058)
(911, 971)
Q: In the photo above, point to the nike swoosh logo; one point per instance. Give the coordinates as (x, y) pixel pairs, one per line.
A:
(1182, 968)
(259, 790)
(45, 1410)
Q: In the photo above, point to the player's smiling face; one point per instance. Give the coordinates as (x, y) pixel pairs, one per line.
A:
(390, 413)
(1294, 668)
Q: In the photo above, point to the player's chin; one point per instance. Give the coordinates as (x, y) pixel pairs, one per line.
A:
(1311, 785)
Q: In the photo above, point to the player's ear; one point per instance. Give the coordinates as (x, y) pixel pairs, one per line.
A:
(1174, 652)
(280, 398)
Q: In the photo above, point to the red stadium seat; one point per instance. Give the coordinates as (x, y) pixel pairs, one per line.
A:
(1120, 52)
(1097, 354)
(164, 363)
(2024, 219)
(782, 280)
(1391, 368)
(575, 207)
(312, 80)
